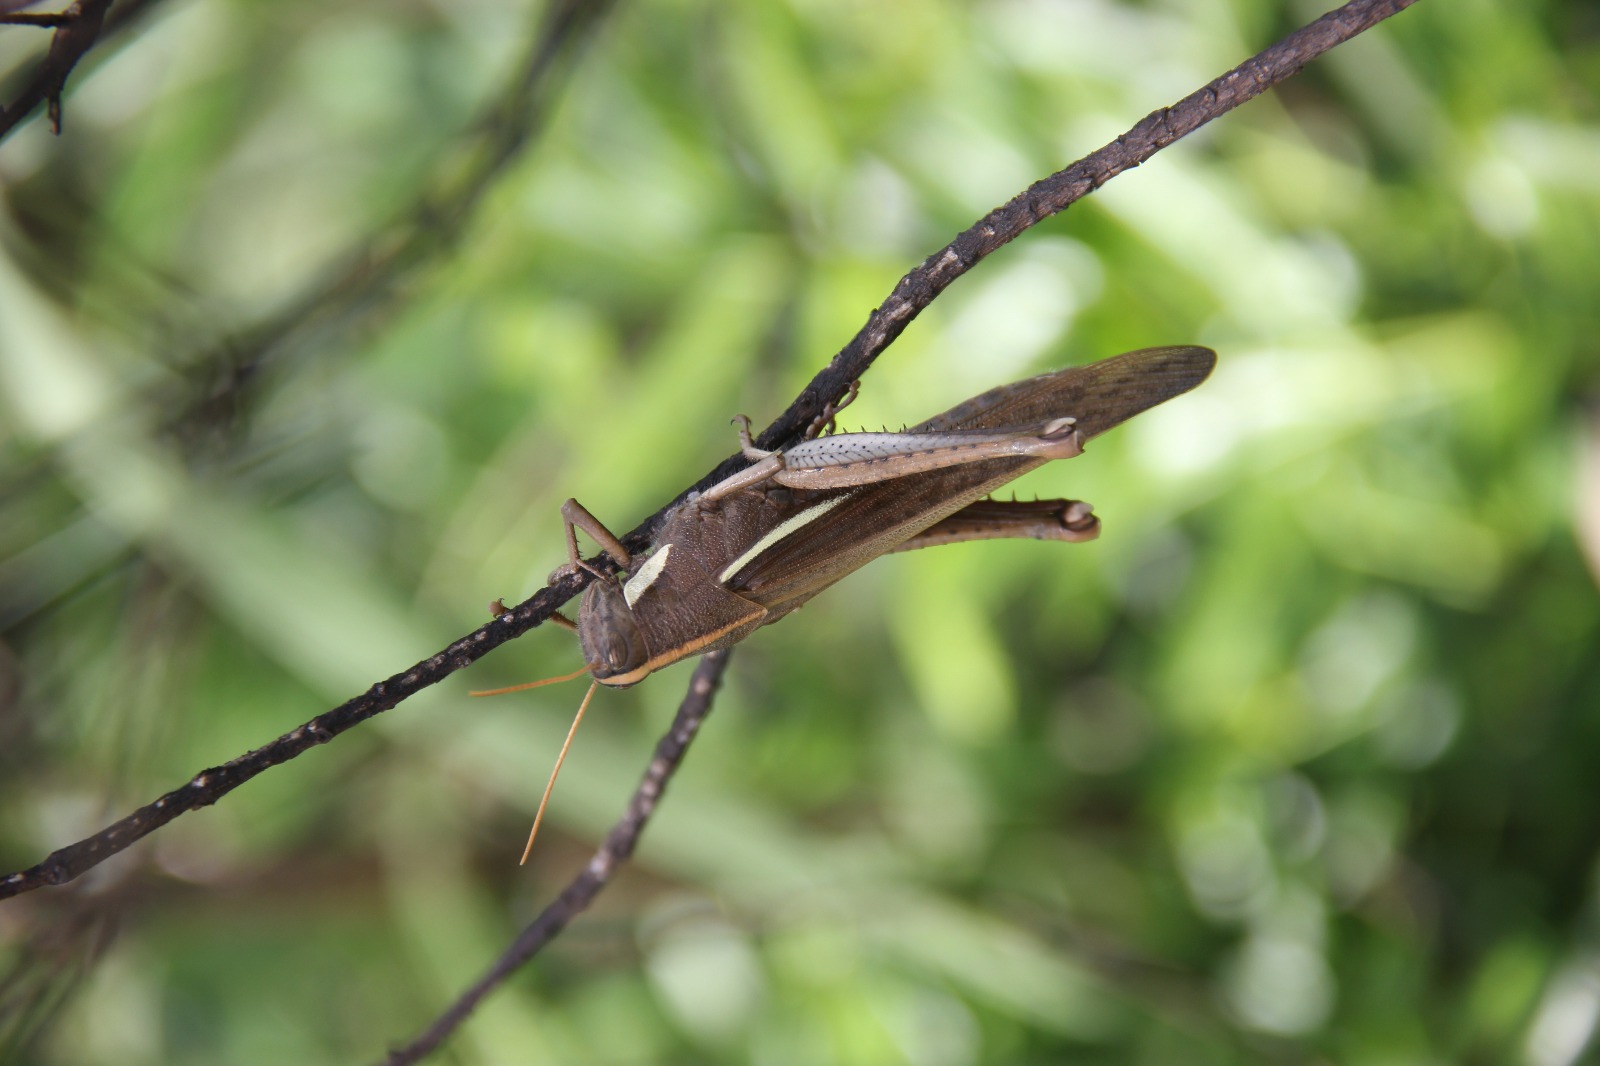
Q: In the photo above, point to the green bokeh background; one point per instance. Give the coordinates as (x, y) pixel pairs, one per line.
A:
(1300, 762)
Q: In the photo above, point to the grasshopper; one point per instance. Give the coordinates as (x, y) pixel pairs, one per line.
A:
(761, 542)
(757, 545)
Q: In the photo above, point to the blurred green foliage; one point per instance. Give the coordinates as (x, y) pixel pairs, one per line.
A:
(1299, 763)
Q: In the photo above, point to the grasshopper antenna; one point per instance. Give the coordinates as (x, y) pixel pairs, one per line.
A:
(561, 758)
(529, 684)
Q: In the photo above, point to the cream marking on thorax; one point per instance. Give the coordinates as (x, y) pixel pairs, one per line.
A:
(646, 576)
(783, 529)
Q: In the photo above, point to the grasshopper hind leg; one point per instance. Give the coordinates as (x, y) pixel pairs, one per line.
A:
(1068, 520)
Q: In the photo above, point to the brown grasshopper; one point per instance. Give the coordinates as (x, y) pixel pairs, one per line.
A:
(760, 543)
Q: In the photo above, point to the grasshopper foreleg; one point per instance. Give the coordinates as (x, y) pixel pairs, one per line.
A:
(577, 517)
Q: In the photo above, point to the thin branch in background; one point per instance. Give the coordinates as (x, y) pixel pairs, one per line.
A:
(78, 29)
(914, 292)
(44, 968)
(597, 872)
(353, 288)
(365, 279)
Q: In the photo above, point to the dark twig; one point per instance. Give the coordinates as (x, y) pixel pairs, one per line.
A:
(78, 29)
(124, 15)
(21, 19)
(208, 786)
(582, 890)
(914, 292)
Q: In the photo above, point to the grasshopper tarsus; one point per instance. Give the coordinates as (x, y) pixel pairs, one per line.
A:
(824, 423)
(747, 445)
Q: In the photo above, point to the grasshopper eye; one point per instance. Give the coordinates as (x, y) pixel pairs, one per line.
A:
(611, 641)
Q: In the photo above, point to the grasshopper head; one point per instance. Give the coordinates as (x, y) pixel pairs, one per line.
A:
(612, 644)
